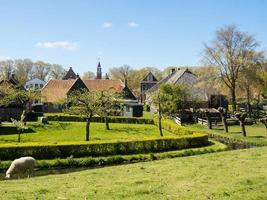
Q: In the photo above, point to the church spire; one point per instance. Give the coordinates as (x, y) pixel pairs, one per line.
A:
(99, 71)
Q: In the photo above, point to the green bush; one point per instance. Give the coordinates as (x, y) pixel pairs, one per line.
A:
(52, 151)
(113, 119)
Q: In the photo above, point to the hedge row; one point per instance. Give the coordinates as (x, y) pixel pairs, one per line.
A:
(71, 162)
(77, 118)
(52, 151)
(172, 127)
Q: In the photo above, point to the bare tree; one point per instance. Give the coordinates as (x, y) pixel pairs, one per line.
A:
(6, 68)
(23, 70)
(121, 73)
(230, 51)
(57, 71)
(41, 70)
(88, 75)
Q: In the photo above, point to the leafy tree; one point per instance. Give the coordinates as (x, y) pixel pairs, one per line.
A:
(230, 52)
(173, 99)
(85, 103)
(20, 124)
(107, 102)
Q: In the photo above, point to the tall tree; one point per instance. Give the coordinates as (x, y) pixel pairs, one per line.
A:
(88, 75)
(41, 70)
(56, 71)
(230, 51)
(120, 73)
(84, 103)
(6, 68)
(23, 70)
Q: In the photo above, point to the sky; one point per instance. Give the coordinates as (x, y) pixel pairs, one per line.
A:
(140, 33)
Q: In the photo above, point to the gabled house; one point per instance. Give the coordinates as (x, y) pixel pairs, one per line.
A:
(148, 82)
(35, 84)
(55, 93)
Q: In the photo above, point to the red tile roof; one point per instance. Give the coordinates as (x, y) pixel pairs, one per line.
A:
(102, 84)
(56, 90)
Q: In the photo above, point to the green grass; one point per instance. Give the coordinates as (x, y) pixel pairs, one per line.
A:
(56, 132)
(256, 133)
(236, 175)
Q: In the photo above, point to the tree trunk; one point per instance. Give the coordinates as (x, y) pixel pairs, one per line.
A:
(19, 132)
(208, 120)
(248, 101)
(88, 121)
(160, 116)
(223, 114)
(233, 97)
(107, 124)
(242, 126)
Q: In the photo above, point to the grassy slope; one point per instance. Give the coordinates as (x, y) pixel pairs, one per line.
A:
(75, 131)
(227, 175)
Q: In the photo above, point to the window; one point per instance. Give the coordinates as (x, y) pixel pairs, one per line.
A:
(127, 108)
(41, 85)
(36, 86)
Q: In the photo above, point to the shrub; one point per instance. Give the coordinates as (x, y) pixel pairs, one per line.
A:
(103, 148)
(113, 119)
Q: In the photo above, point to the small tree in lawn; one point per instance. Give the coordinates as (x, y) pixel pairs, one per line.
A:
(85, 103)
(20, 124)
(107, 101)
(241, 118)
(223, 114)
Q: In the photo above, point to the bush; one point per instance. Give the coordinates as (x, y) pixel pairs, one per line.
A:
(102, 149)
(77, 118)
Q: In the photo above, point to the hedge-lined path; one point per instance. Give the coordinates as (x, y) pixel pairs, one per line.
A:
(236, 175)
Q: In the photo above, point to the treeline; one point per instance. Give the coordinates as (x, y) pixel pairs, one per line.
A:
(26, 69)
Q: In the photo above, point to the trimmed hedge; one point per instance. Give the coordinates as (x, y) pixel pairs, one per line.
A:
(52, 151)
(71, 162)
(77, 118)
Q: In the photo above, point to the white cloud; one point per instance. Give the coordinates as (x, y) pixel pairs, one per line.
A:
(58, 44)
(133, 24)
(107, 25)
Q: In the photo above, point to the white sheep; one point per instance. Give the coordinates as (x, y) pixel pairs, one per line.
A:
(21, 165)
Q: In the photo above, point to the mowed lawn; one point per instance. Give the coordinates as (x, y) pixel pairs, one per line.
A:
(56, 132)
(256, 132)
(237, 175)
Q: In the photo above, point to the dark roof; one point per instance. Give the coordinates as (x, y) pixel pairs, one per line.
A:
(145, 79)
(171, 78)
(70, 75)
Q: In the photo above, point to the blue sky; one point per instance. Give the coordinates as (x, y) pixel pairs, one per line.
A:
(135, 32)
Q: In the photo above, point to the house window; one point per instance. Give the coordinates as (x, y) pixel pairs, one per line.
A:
(127, 108)
(36, 86)
(41, 85)
(150, 78)
(31, 85)
(144, 87)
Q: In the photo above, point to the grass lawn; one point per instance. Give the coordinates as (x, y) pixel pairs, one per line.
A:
(255, 133)
(56, 132)
(236, 175)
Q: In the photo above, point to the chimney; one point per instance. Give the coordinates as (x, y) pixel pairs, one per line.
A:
(77, 75)
(173, 70)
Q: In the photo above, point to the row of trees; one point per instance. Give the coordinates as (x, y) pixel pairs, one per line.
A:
(26, 69)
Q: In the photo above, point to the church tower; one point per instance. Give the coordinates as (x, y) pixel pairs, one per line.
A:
(99, 71)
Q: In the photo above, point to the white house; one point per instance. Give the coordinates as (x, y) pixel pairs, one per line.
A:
(35, 84)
